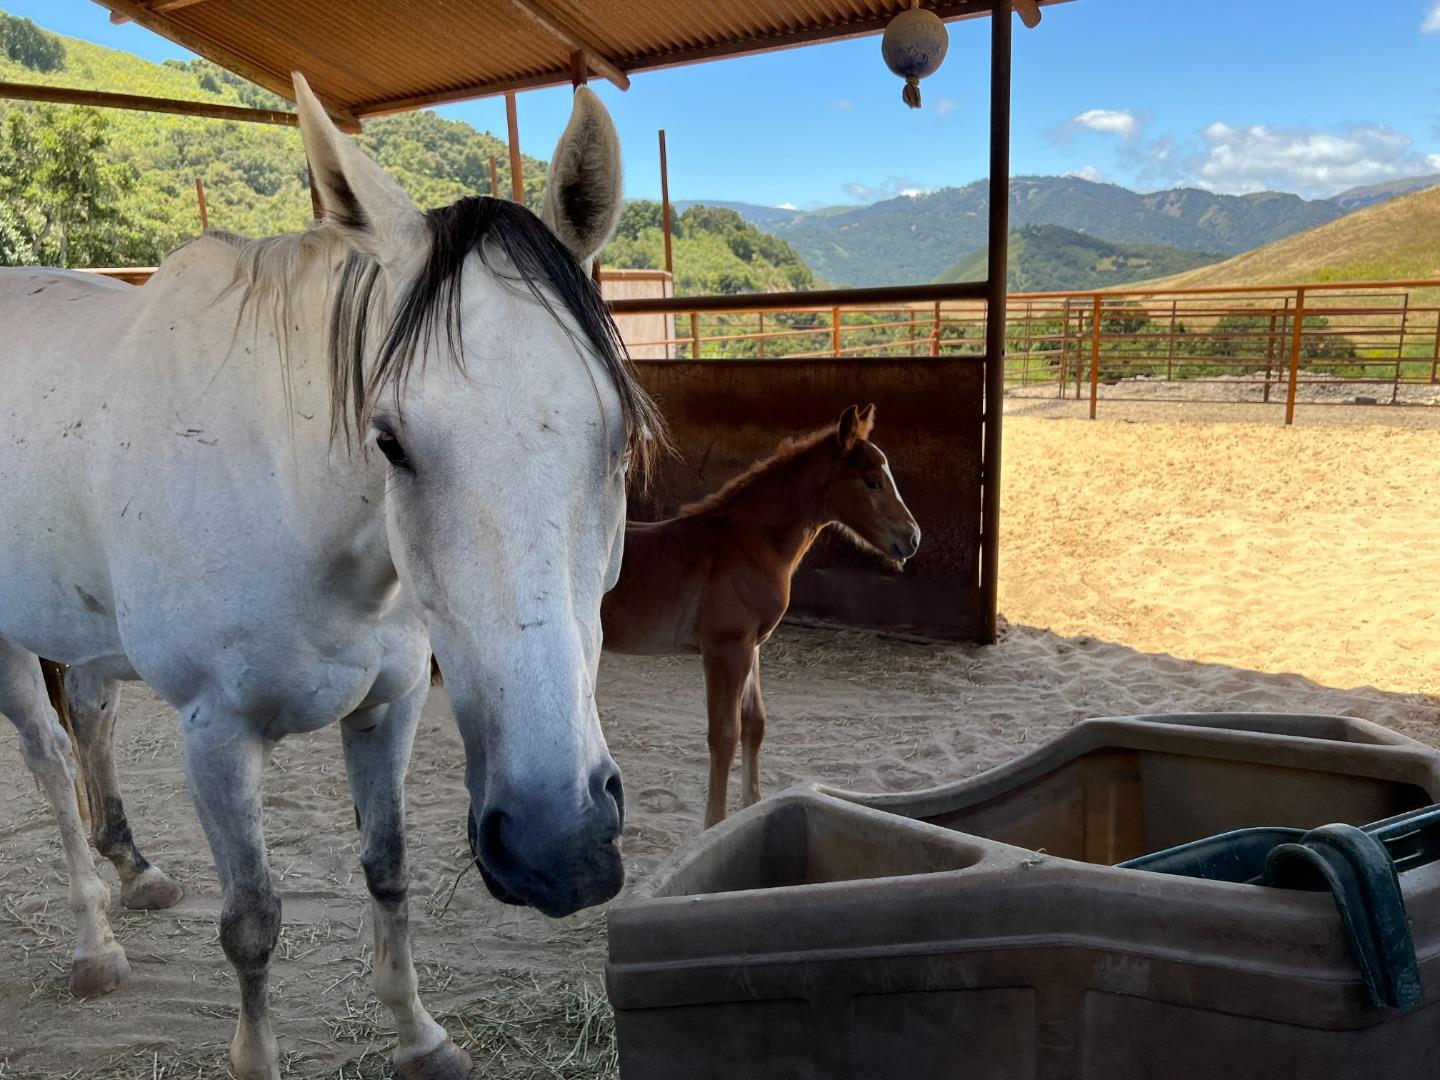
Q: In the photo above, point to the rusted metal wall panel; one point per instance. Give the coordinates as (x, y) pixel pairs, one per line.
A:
(724, 414)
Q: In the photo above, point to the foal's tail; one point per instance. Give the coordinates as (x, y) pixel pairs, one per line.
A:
(54, 675)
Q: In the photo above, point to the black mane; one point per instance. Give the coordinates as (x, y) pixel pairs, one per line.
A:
(431, 303)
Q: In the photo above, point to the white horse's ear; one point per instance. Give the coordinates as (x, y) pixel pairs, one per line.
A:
(369, 208)
(583, 196)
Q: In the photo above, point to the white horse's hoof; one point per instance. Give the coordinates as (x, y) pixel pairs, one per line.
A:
(92, 976)
(152, 890)
(446, 1062)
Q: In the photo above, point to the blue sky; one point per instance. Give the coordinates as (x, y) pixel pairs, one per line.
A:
(1231, 95)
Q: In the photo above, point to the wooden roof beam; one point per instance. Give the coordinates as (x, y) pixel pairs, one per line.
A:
(572, 39)
(64, 95)
(155, 5)
(275, 82)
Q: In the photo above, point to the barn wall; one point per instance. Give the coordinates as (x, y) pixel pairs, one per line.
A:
(724, 414)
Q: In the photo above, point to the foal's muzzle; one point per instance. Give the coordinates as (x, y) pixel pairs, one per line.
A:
(906, 544)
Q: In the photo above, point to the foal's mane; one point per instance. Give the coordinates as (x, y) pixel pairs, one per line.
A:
(530, 258)
(788, 451)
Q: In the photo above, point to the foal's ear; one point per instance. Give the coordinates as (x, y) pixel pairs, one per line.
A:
(866, 421)
(583, 196)
(855, 424)
(370, 209)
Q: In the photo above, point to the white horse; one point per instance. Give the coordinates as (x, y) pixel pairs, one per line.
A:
(271, 481)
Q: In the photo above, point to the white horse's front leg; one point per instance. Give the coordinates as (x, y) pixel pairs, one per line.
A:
(377, 753)
(223, 764)
(99, 965)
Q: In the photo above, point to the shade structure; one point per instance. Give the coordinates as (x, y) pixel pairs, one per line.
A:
(372, 57)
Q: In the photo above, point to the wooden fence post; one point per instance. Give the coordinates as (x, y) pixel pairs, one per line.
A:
(835, 331)
(762, 334)
(200, 199)
(694, 335)
(1296, 332)
(1094, 354)
(935, 332)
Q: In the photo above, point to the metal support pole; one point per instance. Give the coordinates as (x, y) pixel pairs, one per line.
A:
(512, 122)
(1296, 332)
(999, 234)
(1094, 354)
(665, 207)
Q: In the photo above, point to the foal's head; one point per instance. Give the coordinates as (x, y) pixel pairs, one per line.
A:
(862, 496)
(474, 357)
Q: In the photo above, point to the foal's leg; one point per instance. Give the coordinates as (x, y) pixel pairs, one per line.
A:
(100, 963)
(92, 701)
(727, 665)
(224, 759)
(377, 752)
(752, 733)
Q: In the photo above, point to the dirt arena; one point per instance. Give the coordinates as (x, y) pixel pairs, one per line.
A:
(1148, 565)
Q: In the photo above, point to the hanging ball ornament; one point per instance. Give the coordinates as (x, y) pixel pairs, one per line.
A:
(913, 47)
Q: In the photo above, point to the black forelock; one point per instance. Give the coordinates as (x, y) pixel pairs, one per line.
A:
(431, 305)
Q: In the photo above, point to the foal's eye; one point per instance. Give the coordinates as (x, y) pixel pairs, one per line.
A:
(873, 485)
(393, 451)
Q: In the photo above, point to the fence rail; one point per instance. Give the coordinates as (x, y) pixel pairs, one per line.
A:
(1326, 343)
(1301, 344)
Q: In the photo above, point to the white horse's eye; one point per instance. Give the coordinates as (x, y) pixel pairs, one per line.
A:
(393, 451)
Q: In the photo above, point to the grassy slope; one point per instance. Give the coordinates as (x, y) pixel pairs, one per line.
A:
(1396, 239)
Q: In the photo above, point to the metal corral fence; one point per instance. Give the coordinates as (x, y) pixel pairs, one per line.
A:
(1328, 343)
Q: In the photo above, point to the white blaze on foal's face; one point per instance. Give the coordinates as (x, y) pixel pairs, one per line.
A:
(505, 501)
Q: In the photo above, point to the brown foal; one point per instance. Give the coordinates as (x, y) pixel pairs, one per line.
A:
(716, 579)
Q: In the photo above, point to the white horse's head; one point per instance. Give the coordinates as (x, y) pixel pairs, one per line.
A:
(472, 353)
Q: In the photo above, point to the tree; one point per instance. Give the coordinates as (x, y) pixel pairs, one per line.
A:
(62, 193)
(25, 43)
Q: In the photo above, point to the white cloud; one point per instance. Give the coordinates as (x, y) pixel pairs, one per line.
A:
(787, 206)
(842, 105)
(1119, 122)
(946, 106)
(1431, 23)
(1259, 157)
(889, 188)
(1091, 173)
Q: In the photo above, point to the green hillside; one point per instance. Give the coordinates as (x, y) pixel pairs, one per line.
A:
(254, 175)
(1046, 258)
(1389, 241)
(88, 187)
(715, 250)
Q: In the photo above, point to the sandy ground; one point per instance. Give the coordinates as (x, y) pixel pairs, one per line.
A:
(1269, 564)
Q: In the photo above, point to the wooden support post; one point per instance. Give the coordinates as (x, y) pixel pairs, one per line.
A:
(200, 200)
(579, 73)
(762, 334)
(1094, 354)
(1296, 333)
(1435, 351)
(694, 335)
(835, 331)
(665, 208)
(494, 177)
(935, 332)
(512, 122)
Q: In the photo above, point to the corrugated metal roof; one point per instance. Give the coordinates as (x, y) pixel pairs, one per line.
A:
(368, 57)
